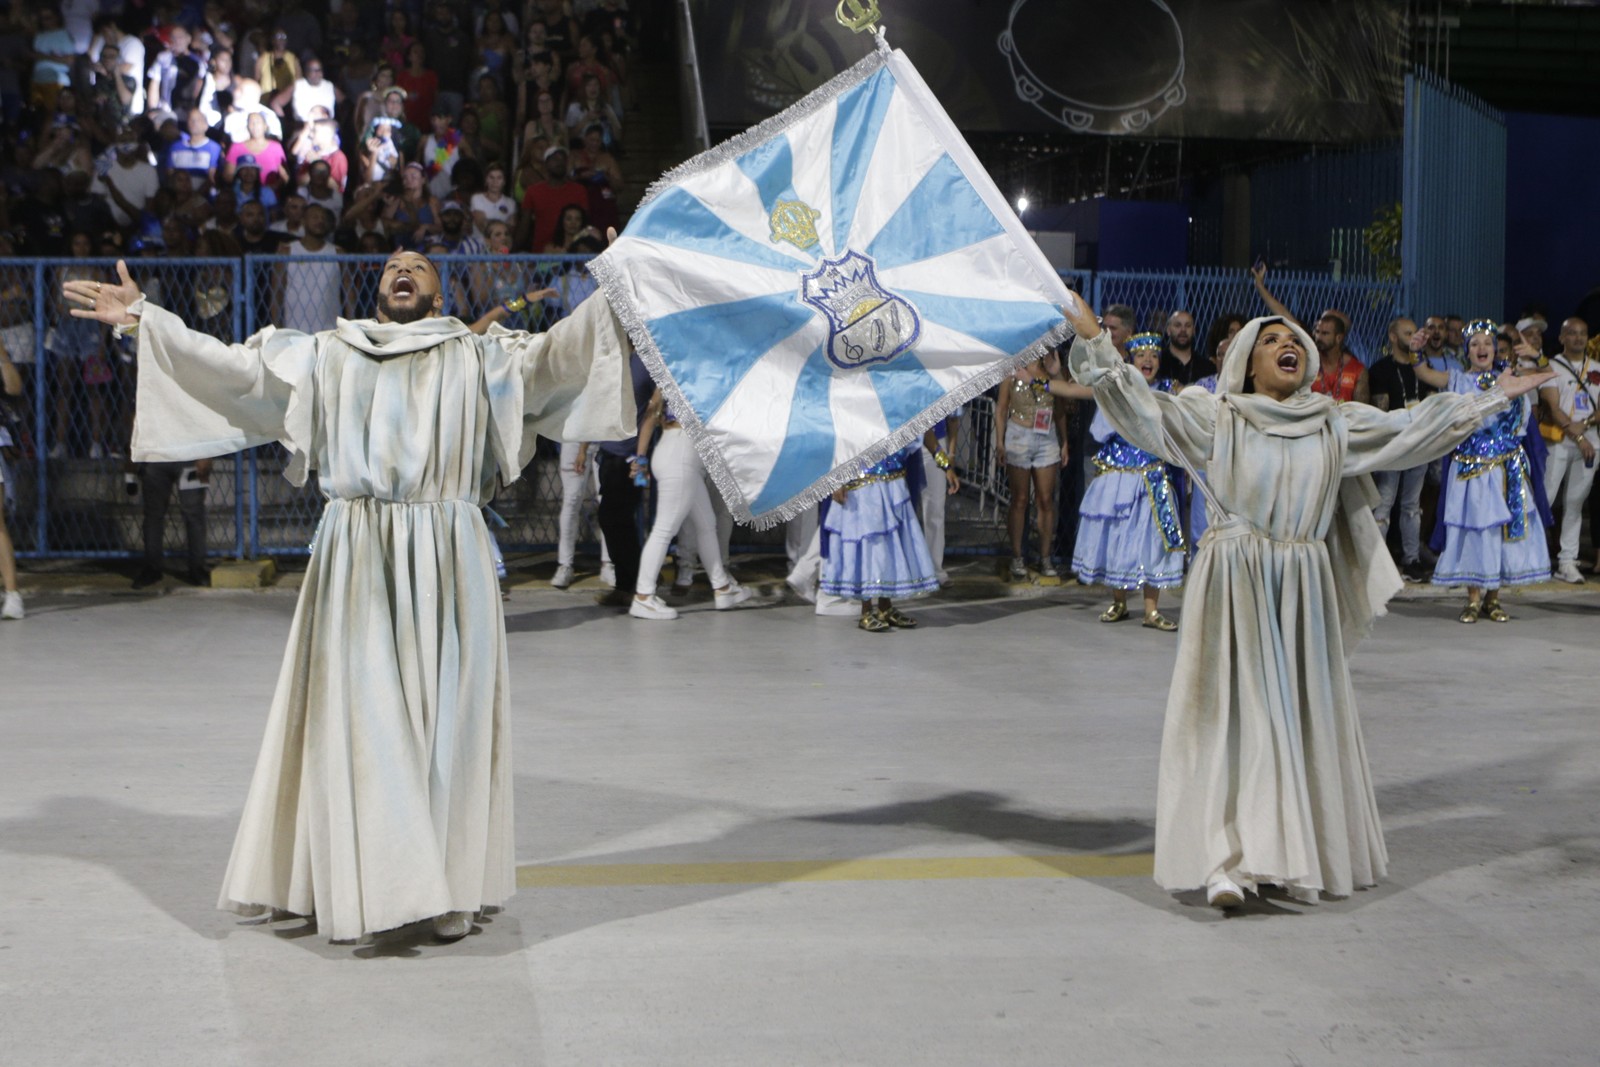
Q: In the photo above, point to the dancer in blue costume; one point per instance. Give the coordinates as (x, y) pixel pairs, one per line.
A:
(872, 546)
(1129, 531)
(1494, 534)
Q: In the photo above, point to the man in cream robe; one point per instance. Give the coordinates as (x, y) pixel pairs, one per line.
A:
(382, 795)
(1263, 774)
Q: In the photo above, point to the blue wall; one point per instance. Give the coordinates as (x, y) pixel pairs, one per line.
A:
(1552, 213)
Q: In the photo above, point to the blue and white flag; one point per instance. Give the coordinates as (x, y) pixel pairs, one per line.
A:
(815, 293)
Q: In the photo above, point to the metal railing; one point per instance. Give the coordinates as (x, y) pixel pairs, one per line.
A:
(69, 494)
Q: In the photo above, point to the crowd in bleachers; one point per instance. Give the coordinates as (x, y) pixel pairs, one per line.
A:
(145, 125)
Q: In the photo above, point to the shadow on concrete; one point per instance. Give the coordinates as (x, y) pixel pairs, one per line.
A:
(547, 620)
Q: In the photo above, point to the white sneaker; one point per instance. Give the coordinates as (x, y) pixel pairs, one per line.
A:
(732, 596)
(1019, 569)
(828, 604)
(652, 607)
(608, 576)
(563, 576)
(12, 609)
(1568, 572)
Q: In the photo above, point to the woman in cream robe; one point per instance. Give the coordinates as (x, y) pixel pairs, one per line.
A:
(1263, 773)
(382, 794)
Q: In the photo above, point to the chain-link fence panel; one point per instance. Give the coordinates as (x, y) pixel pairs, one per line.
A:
(1212, 295)
(72, 490)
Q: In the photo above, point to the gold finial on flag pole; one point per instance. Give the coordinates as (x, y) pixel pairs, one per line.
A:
(858, 15)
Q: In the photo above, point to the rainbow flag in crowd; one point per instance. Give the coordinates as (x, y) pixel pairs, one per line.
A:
(814, 294)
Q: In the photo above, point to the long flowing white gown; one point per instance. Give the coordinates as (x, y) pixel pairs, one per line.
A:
(1263, 772)
(382, 795)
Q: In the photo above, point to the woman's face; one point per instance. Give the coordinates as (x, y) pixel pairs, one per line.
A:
(571, 221)
(1147, 361)
(591, 90)
(412, 179)
(256, 125)
(494, 181)
(499, 237)
(222, 62)
(1278, 361)
(547, 104)
(1480, 350)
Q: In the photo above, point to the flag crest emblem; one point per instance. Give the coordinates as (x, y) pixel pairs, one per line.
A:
(815, 293)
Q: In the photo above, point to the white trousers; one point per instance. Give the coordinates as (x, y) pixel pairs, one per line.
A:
(689, 536)
(931, 511)
(680, 493)
(1565, 463)
(578, 488)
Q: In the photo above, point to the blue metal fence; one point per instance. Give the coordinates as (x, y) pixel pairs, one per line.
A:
(70, 492)
(1453, 242)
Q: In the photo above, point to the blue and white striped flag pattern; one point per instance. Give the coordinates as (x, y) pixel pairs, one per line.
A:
(815, 293)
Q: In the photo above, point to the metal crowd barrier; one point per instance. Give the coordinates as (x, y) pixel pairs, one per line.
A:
(70, 491)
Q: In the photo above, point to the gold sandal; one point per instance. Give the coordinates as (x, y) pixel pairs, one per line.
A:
(898, 619)
(874, 623)
(1469, 613)
(1156, 621)
(1495, 612)
(1115, 613)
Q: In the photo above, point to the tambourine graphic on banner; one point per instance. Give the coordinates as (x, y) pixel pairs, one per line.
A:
(1117, 90)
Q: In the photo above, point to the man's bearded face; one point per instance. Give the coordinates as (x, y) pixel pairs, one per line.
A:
(409, 289)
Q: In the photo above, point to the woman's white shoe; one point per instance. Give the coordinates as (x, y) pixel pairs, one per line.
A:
(1223, 892)
(731, 595)
(652, 607)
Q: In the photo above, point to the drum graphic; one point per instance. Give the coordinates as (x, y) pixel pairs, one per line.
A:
(1118, 89)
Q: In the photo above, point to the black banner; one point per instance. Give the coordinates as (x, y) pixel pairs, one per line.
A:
(1294, 70)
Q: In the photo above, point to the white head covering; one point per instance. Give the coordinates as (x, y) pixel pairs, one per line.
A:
(1304, 412)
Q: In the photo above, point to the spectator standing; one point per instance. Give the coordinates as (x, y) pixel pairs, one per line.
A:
(598, 170)
(156, 483)
(411, 218)
(1180, 363)
(178, 75)
(263, 152)
(369, 105)
(254, 237)
(219, 79)
(453, 53)
(1437, 353)
(421, 84)
(131, 53)
(321, 189)
(620, 495)
(440, 151)
(544, 200)
(247, 102)
(131, 181)
(312, 291)
(1341, 375)
(53, 52)
(196, 153)
(1394, 384)
(322, 146)
(277, 71)
(590, 107)
(397, 41)
(545, 122)
(313, 90)
(1572, 398)
(493, 205)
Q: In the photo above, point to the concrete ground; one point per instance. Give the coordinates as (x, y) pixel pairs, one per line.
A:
(766, 838)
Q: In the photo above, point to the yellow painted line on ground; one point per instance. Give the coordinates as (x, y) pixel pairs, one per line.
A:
(768, 872)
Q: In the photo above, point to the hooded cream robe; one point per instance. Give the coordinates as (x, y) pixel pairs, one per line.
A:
(1263, 774)
(382, 794)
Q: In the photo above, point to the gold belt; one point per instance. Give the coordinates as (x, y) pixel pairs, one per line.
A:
(868, 479)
